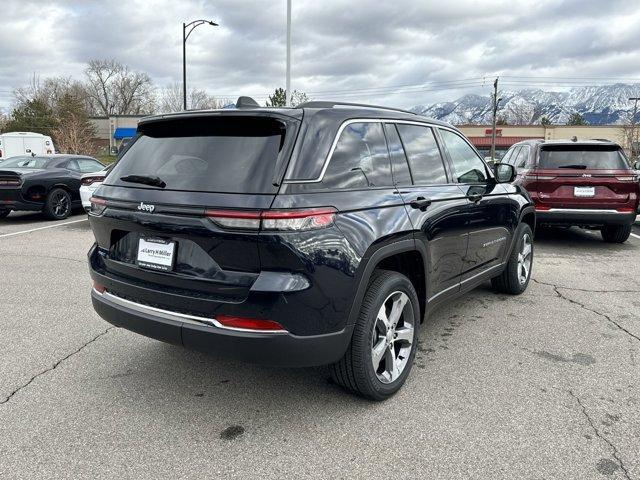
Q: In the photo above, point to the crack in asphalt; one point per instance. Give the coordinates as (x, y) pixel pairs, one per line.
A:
(616, 454)
(55, 365)
(556, 289)
(583, 289)
(53, 257)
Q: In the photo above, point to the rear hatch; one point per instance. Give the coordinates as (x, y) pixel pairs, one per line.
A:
(591, 176)
(157, 218)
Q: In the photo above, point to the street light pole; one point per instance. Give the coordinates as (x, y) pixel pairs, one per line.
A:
(185, 35)
(288, 81)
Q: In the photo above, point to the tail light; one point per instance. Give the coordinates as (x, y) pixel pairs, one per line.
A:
(542, 208)
(253, 324)
(98, 287)
(626, 210)
(9, 182)
(98, 205)
(89, 180)
(282, 220)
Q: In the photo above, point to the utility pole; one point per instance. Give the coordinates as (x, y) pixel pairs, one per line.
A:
(288, 86)
(634, 129)
(495, 112)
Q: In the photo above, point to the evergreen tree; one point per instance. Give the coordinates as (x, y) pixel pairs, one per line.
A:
(576, 119)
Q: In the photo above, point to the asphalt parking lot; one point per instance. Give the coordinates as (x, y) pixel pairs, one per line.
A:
(545, 385)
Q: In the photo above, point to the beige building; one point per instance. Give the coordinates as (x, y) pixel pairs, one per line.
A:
(110, 131)
(507, 135)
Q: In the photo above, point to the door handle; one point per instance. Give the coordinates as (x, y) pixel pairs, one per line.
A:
(475, 197)
(421, 203)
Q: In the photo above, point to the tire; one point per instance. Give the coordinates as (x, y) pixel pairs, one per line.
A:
(355, 371)
(516, 275)
(616, 233)
(58, 204)
(4, 213)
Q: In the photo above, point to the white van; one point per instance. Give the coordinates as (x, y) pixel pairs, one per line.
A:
(24, 143)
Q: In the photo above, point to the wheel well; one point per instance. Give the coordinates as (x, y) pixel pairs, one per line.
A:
(411, 265)
(530, 219)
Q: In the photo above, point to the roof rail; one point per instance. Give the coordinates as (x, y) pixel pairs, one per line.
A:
(327, 104)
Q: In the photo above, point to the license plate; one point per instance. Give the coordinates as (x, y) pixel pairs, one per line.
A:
(584, 191)
(156, 254)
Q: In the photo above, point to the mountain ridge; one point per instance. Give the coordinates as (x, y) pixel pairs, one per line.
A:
(598, 105)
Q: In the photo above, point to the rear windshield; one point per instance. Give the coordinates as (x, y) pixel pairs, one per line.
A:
(593, 157)
(221, 154)
(25, 162)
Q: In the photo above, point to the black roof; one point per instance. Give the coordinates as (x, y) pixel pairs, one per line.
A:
(338, 110)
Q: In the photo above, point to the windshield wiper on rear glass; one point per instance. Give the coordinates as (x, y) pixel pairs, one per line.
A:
(581, 167)
(145, 180)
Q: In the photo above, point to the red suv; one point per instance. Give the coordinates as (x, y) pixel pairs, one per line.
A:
(583, 183)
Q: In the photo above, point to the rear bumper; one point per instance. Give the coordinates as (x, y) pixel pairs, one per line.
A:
(20, 206)
(274, 348)
(583, 216)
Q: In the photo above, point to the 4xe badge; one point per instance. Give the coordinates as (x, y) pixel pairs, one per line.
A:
(146, 207)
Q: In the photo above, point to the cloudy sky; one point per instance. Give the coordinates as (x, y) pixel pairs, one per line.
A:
(391, 52)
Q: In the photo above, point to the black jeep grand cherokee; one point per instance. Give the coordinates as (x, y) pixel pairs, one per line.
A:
(322, 234)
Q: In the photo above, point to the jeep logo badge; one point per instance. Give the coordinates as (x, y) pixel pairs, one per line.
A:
(146, 208)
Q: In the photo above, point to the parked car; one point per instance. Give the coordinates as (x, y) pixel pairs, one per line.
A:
(13, 144)
(305, 236)
(579, 183)
(89, 183)
(49, 184)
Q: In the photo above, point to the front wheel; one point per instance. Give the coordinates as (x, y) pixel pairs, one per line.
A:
(515, 277)
(57, 205)
(616, 233)
(385, 338)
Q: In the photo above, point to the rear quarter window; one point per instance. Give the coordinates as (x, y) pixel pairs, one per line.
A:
(211, 154)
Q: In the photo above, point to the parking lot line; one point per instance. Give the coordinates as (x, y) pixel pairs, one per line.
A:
(42, 228)
(634, 235)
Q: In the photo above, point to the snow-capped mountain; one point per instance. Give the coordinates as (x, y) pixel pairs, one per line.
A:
(606, 104)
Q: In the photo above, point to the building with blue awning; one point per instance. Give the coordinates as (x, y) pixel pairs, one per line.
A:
(124, 132)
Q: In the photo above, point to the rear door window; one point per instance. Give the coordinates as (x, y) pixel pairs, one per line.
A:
(592, 157)
(399, 165)
(423, 153)
(211, 154)
(360, 158)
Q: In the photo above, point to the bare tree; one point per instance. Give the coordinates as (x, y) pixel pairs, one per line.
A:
(50, 91)
(114, 89)
(170, 99)
(630, 135)
(74, 132)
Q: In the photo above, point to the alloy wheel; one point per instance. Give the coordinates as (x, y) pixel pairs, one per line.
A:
(60, 204)
(392, 339)
(524, 259)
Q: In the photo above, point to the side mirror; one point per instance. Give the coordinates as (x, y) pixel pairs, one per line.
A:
(504, 172)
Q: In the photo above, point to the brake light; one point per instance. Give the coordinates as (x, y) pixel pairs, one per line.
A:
(98, 205)
(306, 219)
(235, 218)
(249, 323)
(9, 182)
(89, 180)
(300, 219)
